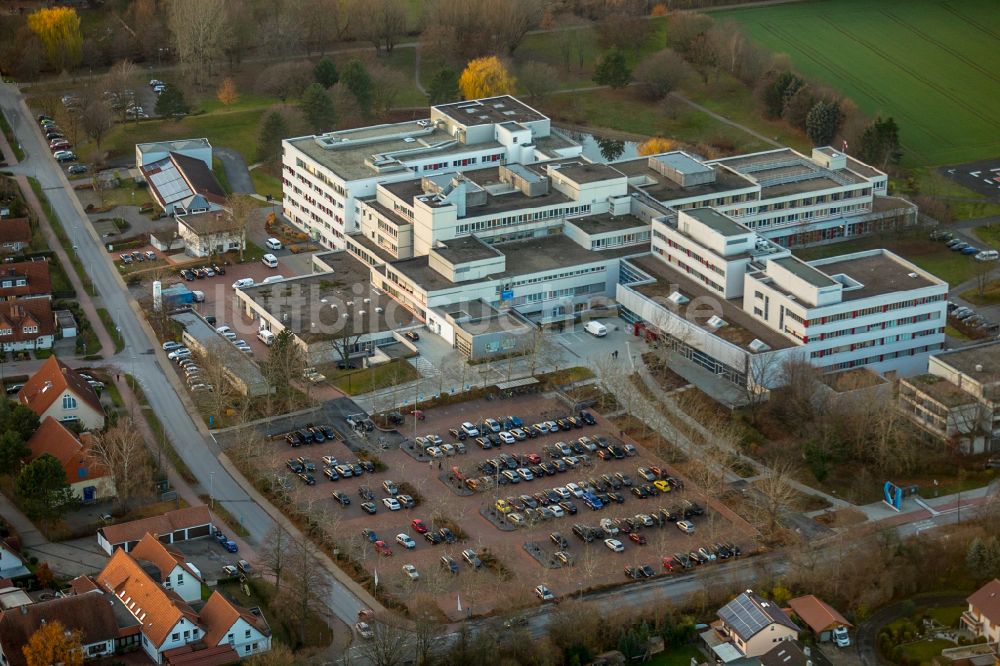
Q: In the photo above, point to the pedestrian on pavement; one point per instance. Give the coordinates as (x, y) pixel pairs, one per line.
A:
(118, 377)
(439, 464)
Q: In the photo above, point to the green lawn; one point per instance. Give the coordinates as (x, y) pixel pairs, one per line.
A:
(929, 64)
(923, 652)
(947, 616)
(989, 235)
(220, 174)
(620, 110)
(929, 255)
(680, 656)
(356, 382)
(265, 183)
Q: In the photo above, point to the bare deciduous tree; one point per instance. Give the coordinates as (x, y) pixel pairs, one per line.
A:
(387, 645)
(775, 494)
(303, 595)
(121, 80)
(196, 26)
(97, 120)
(241, 207)
(122, 451)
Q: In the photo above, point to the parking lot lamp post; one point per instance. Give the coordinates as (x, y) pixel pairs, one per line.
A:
(211, 489)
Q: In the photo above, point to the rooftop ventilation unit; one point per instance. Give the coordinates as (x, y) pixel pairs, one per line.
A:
(409, 139)
(758, 346)
(423, 123)
(913, 275)
(677, 298)
(715, 321)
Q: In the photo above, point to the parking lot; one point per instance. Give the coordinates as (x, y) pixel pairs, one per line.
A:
(514, 559)
(982, 177)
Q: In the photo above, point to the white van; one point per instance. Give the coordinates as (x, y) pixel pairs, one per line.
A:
(198, 296)
(270, 260)
(273, 244)
(988, 255)
(243, 283)
(596, 328)
(265, 336)
(273, 278)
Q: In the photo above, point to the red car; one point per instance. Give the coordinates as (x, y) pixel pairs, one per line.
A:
(382, 548)
(534, 458)
(638, 538)
(669, 564)
(418, 525)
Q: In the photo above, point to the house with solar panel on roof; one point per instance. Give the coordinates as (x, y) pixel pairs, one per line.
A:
(748, 627)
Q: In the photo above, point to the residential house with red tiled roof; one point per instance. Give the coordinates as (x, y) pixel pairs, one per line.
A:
(193, 522)
(25, 279)
(819, 616)
(167, 622)
(175, 572)
(27, 324)
(88, 478)
(983, 616)
(90, 614)
(15, 235)
(56, 390)
(229, 624)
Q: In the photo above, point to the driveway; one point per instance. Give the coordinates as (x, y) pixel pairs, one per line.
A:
(236, 171)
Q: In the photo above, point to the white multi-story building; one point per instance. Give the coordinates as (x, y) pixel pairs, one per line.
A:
(783, 195)
(737, 304)
(956, 401)
(324, 176)
(482, 209)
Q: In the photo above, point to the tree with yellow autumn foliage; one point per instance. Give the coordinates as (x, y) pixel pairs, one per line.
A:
(58, 29)
(486, 77)
(656, 145)
(53, 644)
(227, 93)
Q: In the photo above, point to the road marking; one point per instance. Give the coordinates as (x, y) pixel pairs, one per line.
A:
(975, 174)
(997, 169)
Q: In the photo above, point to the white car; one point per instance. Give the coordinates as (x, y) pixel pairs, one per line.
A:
(615, 545)
(507, 438)
(557, 511)
(329, 461)
(470, 430)
(406, 541)
(223, 330)
(179, 354)
(563, 492)
(542, 427)
(364, 630)
(391, 503)
(544, 593)
(492, 424)
(171, 345)
(525, 473)
(841, 636)
(575, 489)
(685, 526)
(411, 571)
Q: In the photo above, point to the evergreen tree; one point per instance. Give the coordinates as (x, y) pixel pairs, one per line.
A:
(326, 73)
(778, 92)
(443, 87)
(317, 108)
(612, 70)
(880, 143)
(172, 103)
(12, 450)
(272, 130)
(359, 82)
(822, 122)
(43, 488)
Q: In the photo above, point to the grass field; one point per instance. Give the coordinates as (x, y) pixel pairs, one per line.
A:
(929, 255)
(929, 63)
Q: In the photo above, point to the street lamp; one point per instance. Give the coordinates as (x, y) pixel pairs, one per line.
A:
(211, 489)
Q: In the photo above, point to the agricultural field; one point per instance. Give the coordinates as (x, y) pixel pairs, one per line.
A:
(929, 63)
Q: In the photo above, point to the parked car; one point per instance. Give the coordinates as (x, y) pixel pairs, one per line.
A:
(614, 545)
(472, 558)
(406, 541)
(544, 593)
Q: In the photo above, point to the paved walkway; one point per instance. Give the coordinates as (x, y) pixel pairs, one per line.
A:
(236, 171)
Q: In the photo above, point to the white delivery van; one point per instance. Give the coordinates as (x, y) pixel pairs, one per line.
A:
(198, 296)
(243, 283)
(270, 260)
(596, 328)
(273, 244)
(273, 278)
(265, 336)
(988, 255)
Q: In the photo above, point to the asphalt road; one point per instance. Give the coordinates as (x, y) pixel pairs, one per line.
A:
(236, 170)
(137, 357)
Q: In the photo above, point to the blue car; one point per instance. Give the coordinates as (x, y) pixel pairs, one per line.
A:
(591, 500)
(516, 421)
(231, 546)
(970, 250)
